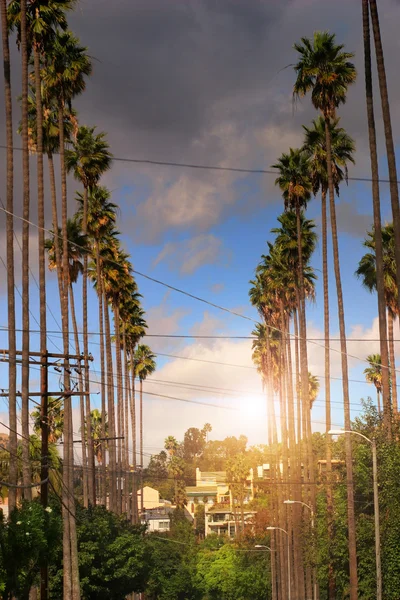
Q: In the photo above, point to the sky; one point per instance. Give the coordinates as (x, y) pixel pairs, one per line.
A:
(209, 82)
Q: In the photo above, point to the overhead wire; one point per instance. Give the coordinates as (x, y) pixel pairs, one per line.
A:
(185, 165)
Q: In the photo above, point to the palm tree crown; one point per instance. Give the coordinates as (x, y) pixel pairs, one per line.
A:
(144, 362)
(325, 70)
(294, 178)
(89, 157)
(342, 152)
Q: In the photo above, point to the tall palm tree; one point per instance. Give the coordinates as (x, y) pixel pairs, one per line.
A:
(367, 271)
(373, 374)
(325, 70)
(144, 365)
(134, 329)
(77, 249)
(88, 159)
(295, 184)
(118, 285)
(12, 368)
(100, 222)
(376, 207)
(342, 150)
(64, 75)
(390, 150)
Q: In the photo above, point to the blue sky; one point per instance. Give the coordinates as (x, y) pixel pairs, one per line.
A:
(226, 101)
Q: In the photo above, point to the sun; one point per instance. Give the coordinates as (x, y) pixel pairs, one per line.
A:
(253, 408)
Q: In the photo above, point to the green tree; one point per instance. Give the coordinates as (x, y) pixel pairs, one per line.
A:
(28, 540)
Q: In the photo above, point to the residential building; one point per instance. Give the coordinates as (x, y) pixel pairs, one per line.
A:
(159, 519)
(212, 490)
(221, 520)
(151, 498)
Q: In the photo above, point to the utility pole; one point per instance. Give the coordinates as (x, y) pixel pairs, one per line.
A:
(44, 470)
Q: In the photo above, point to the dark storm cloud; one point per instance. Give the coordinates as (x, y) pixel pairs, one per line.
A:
(161, 67)
(205, 81)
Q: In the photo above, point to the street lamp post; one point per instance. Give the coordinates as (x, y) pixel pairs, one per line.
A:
(376, 507)
(262, 547)
(312, 527)
(288, 553)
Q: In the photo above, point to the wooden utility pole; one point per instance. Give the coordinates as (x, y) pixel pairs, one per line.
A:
(44, 471)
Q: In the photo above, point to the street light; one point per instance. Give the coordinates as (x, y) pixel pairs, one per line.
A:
(310, 508)
(288, 553)
(376, 506)
(262, 547)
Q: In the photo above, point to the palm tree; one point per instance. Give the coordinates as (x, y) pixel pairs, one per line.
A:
(55, 420)
(295, 183)
(376, 207)
(88, 159)
(97, 433)
(77, 249)
(100, 222)
(12, 369)
(314, 387)
(342, 150)
(64, 75)
(144, 365)
(325, 70)
(390, 151)
(367, 271)
(373, 374)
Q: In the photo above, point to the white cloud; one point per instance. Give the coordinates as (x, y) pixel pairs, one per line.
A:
(189, 255)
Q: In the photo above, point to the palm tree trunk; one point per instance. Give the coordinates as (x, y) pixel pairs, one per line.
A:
(26, 471)
(378, 397)
(81, 399)
(345, 375)
(54, 211)
(390, 151)
(120, 403)
(141, 450)
(380, 286)
(103, 485)
(126, 395)
(303, 358)
(134, 444)
(12, 367)
(70, 544)
(111, 410)
(42, 263)
(329, 494)
(286, 400)
(295, 473)
(91, 469)
(392, 364)
(297, 378)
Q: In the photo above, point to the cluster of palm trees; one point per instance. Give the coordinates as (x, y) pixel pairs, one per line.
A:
(284, 283)
(55, 67)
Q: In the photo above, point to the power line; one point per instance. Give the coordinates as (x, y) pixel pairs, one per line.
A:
(205, 337)
(183, 165)
(198, 298)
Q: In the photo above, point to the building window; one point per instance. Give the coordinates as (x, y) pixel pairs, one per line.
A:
(163, 525)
